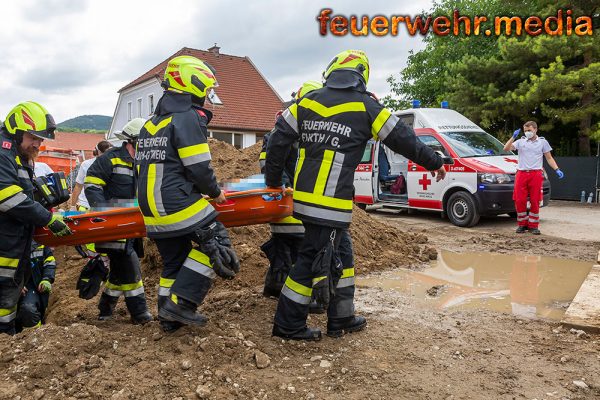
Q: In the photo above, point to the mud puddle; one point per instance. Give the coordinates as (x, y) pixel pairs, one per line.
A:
(523, 285)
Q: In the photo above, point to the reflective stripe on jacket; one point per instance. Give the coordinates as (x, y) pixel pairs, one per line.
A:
(333, 127)
(19, 213)
(173, 161)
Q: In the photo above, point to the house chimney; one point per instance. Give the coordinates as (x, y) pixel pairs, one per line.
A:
(215, 49)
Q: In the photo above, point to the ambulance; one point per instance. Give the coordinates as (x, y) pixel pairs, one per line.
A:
(479, 179)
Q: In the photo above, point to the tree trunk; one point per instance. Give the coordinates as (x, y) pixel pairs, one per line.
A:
(586, 99)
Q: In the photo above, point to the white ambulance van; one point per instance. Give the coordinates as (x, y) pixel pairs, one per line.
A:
(480, 174)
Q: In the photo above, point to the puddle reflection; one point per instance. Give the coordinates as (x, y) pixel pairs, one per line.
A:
(524, 285)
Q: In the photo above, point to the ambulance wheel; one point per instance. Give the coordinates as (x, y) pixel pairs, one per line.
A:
(362, 206)
(512, 214)
(461, 209)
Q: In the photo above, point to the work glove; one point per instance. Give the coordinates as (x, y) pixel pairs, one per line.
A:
(45, 287)
(516, 133)
(91, 278)
(326, 271)
(58, 227)
(215, 243)
(559, 173)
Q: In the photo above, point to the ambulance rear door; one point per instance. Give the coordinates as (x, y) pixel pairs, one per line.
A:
(423, 190)
(365, 182)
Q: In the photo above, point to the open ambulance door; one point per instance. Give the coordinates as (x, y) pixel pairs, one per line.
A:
(365, 176)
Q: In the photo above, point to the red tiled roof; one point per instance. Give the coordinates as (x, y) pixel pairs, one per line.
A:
(249, 101)
(75, 141)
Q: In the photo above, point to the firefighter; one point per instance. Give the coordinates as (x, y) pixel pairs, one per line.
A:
(173, 159)
(24, 129)
(287, 233)
(109, 181)
(333, 125)
(33, 303)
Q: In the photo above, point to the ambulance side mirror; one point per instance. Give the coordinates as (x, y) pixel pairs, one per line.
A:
(447, 160)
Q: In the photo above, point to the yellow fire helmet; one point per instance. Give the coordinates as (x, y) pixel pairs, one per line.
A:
(190, 75)
(351, 60)
(31, 117)
(307, 87)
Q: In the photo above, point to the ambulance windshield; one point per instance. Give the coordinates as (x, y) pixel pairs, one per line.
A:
(475, 144)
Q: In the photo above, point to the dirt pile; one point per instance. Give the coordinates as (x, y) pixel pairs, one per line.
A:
(76, 356)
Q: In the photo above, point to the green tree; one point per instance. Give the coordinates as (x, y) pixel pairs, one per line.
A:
(424, 77)
(501, 82)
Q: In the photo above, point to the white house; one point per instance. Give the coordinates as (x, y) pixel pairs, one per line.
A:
(244, 105)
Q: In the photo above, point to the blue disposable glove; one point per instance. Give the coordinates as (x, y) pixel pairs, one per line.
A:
(559, 173)
(516, 133)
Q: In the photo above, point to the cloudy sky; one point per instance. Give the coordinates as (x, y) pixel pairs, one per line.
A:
(73, 55)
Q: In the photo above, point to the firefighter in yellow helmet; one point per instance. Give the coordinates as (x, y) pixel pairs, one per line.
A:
(174, 173)
(287, 233)
(333, 126)
(24, 129)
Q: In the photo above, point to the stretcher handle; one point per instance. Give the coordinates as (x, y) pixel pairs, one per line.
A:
(258, 192)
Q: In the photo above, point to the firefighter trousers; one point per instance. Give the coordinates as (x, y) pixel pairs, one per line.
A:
(528, 186)
(11, 285)
(293, 305)
(124, 278)
(187, 272)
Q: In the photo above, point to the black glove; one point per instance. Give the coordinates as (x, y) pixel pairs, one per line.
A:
(57, 226)
(228, 255)
(223, 259)
(91, 277)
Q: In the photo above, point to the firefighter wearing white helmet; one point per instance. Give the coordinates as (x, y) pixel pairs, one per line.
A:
(110, 181)
(174, 175)
(333, 126)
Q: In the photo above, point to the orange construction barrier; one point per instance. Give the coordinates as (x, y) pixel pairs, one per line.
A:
(249, 207)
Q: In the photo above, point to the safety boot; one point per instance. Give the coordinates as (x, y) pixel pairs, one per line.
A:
(106, 305)
(521, 229)
(336, 327)
(183, 311)
(535, 231)
(306, 333)
(142, 318)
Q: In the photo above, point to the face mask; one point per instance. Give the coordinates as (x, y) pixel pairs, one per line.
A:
(529, 134)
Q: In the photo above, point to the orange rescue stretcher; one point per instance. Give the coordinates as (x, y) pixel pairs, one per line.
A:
(249, 207)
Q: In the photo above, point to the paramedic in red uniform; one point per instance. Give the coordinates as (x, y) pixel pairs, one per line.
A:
(529, 178)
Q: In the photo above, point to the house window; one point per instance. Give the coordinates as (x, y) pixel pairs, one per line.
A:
(238, 140)
(223, 136)
(139, 101)
(150, 104)
(129, 111)
(213, 98)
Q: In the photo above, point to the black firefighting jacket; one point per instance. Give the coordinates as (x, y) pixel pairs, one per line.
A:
(173, 161)
(19, 213)
(110, 177)
(43, 265)
(333, 126)
(287, 225)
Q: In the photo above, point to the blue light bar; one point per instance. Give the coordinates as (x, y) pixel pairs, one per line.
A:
(416, 103)
(445, 104)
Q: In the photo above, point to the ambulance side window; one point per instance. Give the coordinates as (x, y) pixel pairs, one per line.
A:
(408, 119)
(433, 143)
(366, 158)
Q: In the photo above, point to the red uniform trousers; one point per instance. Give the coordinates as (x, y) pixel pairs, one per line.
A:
(528, 185)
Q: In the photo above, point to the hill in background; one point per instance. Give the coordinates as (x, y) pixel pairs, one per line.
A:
(86, 123)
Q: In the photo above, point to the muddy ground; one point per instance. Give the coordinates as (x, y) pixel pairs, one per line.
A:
(408, 351)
